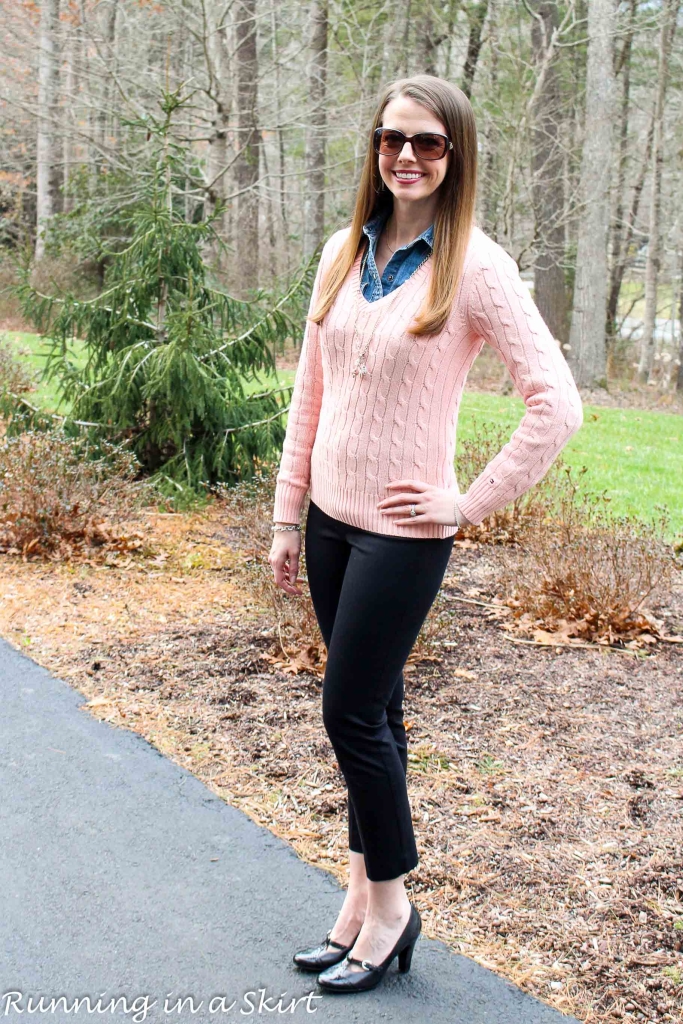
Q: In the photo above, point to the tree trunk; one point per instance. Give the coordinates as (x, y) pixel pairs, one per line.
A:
(218, 162)
(548, 183)
(489, 184)
(247, 162)
(282, 160)
(453, 10)
(71, 104)
(48, 89)
(679, 374)
(587, 353)
(405, 36)
(621, 263)
(109, 119)
(654, 246)
(477, 17)
(314, 202)
(617, 248)
(428, 41)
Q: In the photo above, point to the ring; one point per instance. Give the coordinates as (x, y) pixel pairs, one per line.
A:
(412, 510)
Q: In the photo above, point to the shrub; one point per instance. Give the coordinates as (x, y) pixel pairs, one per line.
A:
(250, 505)
(14, 376)
(59, 494)
(589, 574)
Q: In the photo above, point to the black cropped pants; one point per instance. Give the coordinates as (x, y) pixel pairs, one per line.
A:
(371, 594)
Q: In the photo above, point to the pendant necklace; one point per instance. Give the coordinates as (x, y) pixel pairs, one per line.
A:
(360, 367)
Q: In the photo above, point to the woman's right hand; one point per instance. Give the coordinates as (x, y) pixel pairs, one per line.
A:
(284, 559)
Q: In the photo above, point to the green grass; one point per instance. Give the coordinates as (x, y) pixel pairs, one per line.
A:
(31, 347)
(633, 455)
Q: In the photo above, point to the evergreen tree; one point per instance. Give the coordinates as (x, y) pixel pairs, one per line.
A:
(168, 355)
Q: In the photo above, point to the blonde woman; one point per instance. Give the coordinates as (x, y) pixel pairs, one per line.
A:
(403, 301)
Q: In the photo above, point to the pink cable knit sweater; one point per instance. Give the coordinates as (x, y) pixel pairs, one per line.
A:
(347, 437)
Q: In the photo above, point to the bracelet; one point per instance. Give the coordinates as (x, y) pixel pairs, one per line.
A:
(287, 526)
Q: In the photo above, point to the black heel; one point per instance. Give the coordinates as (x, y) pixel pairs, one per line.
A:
(340, 978)
(319, 958)
(405, 957)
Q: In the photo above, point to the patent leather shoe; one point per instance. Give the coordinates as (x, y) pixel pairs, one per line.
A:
(342, 978)
(326, 954)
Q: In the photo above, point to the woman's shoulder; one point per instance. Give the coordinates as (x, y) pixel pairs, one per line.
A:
(484, 251)
(334, 243)
(489, 272)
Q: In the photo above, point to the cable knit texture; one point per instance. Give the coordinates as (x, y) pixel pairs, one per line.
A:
(348, 437)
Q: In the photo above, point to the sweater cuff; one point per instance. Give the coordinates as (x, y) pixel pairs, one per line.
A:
(289, 500)
(462, 519)
(468, 509)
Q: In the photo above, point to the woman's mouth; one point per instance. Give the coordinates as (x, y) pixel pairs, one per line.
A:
(407, 177)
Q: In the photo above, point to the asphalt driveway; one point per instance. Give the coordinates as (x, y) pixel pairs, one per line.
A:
(128, 886)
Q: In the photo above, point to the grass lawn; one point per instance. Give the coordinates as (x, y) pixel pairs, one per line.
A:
(635, 455)
(31, 347)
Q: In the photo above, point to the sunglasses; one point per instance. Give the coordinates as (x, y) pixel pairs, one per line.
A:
(426, 145)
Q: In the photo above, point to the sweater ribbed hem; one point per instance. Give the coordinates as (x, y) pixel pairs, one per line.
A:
(358, 508)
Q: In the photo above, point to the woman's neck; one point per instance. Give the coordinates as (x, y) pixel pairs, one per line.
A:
(408, 220)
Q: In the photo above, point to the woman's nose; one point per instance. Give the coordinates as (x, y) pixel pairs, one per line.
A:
(407, 153)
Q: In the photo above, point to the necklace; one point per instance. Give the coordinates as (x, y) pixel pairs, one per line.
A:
(386, 242)
(360, 367)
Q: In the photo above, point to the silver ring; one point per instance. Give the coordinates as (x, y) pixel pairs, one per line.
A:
(412, 510)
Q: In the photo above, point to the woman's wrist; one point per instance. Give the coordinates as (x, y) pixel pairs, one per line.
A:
(279, 527)
(460, 519)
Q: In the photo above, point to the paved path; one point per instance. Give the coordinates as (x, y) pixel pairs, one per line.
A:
(122, 875)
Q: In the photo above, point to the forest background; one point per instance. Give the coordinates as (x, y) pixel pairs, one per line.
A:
(578, 112)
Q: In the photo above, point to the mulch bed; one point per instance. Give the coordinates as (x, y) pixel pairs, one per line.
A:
(546, 783)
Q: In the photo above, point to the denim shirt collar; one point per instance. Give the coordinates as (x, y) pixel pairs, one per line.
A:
(400, 266)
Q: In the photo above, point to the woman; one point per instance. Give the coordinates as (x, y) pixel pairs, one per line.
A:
(403, 301)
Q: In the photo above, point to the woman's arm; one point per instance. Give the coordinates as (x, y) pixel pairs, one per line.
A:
(501, 311)
(293, 476)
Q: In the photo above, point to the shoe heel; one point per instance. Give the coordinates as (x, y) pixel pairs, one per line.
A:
(405, 957)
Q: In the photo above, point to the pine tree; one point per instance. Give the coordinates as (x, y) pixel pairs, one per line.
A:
(168, 355)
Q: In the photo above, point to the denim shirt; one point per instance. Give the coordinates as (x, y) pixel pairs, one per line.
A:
(402, 264)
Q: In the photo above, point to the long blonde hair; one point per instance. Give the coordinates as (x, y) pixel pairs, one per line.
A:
(455, 214)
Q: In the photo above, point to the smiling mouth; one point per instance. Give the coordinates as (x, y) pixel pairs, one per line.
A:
(408, 175)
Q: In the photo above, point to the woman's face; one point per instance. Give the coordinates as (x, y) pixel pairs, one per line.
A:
(407, 176)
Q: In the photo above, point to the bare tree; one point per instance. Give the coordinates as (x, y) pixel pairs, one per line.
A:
(621, 237)
(587, 352)
(654, 255)
(550, 292)
(47, 162)
(679, 374)
(476, 13)
(218, 89)
(247, 162)
(314, 202)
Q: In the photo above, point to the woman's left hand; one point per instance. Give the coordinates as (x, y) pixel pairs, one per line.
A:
(432, 504)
